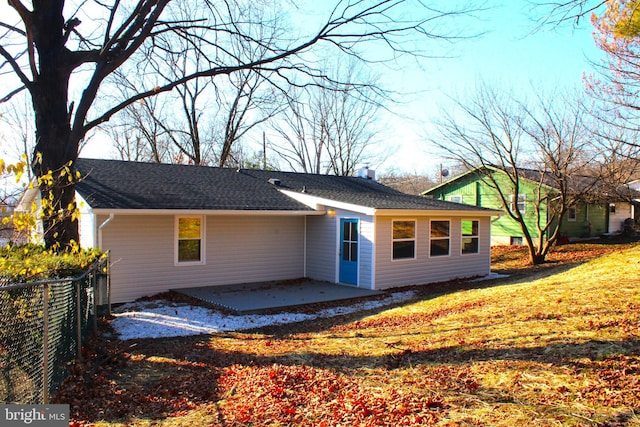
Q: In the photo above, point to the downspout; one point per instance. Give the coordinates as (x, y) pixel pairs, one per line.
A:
(101, 226)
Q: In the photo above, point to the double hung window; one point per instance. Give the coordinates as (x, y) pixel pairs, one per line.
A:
(520, 201)
(439, 238)
(470, 237)
(189, 240)
(404, 239)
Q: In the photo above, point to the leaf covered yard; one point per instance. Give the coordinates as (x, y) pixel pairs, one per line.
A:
(551, 346)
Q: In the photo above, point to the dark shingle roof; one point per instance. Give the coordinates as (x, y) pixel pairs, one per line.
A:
(114, 184)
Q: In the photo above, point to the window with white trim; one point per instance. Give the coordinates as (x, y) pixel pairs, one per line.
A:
(456, 198)
(572, 214)
(470, 236)
(522, 199)
(439, 237)
(189, 240)
(404, 239)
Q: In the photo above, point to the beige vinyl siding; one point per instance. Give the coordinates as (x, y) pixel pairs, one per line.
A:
(321, 247)
(323, 235)
(425, 269)
(367, 239)
(238, 250)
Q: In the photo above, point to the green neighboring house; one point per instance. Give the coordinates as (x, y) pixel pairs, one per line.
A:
(583, 219)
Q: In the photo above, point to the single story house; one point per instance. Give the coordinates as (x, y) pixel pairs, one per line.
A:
(598, 211)
(177, 226)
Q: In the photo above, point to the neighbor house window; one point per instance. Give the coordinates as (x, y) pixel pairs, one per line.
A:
(612, 208)
(439, 238)
(456, 198)
(572, 214)
(520, 201)
(470, 236)
(404, 239)
(516, 240)
(189, 246)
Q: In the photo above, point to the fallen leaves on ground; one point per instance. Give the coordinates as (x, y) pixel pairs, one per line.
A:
(563, 350)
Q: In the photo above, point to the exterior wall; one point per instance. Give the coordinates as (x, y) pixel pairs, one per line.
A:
(591, 220)
(367, 253)
(237, 250)
(321, 248)
(86, 224)
(424, 269)
(616, 220)
(262, 248)
(467, 188)
(323, 240)
(502, 240)
(477, 192)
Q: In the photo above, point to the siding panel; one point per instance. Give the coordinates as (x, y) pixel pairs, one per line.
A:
(424, 269)
(321, 247)
(616, 220)
(238, 250)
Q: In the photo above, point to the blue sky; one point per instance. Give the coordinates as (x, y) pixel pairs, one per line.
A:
(511, 55)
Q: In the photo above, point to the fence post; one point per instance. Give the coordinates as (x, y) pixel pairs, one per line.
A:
(108, 279)
(78, 320)
(45, 344)
(92, 301)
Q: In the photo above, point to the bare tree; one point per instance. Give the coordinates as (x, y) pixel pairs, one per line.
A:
(138, 133)
(410, 183)
(302, 138)
(47, 46)
(19, 143)
(569, 11)
(351, 128)
(331, 128)
(511, 142)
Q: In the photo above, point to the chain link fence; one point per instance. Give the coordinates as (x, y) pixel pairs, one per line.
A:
(42, 327)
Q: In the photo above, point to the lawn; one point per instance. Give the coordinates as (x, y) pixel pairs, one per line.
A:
(556, 345)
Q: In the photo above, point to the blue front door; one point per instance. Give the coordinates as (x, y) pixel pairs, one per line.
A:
(349, 251)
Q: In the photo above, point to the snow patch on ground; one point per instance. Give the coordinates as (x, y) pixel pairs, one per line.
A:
(490, 276)
(159, 318)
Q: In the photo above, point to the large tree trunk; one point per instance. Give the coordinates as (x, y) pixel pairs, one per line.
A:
(55, 151)
(53, 164)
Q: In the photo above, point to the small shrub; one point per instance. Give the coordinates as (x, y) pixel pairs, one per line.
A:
(21, 263)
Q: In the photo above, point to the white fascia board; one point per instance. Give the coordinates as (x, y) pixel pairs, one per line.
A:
(102, 211)
(437, 212)
(319, 203)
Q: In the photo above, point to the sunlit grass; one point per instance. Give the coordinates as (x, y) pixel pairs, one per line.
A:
(562, 350)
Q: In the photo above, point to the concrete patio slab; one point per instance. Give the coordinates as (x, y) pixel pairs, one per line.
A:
(256, 297)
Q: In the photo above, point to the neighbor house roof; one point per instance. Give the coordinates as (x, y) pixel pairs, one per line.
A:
(577, 184)
(124, 185)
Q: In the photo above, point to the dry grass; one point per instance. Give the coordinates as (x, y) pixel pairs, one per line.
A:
(561, 350)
